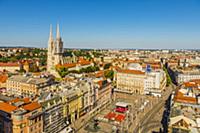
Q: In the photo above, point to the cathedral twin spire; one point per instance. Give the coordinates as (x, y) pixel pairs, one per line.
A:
(55, 50)
(57, 33)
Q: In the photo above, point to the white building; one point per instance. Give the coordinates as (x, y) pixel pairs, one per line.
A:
(155, 83)
(184, 77)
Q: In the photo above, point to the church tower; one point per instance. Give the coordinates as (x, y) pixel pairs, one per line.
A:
(58, 47)
(55, 51)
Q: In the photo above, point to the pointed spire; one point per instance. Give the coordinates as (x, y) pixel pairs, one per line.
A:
(50, 33)
(58, 32)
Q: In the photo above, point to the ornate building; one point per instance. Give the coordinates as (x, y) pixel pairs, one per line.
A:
(55, 51)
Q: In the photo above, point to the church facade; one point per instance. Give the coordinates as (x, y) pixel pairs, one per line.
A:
(55, 51)
(56, 57)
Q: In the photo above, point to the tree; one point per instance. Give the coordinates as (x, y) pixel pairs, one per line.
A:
(107, 66)
(89, 69)
(109, 74)
(169, 81)
(63, 71)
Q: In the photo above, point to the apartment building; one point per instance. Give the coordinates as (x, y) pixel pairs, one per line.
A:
(104, 95)
(72, 100)
(26, 116)
(10, 66)
(27, 86)
(5, 122)
(185, 110)
(52, 107)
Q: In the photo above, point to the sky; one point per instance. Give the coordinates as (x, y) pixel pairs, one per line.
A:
(142, 24)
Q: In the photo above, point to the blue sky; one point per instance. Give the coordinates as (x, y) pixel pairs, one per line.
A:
(102, 23)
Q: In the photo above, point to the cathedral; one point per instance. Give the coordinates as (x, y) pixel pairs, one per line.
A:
(55, 51)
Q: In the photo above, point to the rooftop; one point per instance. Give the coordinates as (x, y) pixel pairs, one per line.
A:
(17, 104)
(32, 106)
(7, 107)
(29, 79)
(132, 72)
(9, 64)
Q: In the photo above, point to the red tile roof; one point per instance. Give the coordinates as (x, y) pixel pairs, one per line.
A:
(110, 115)
(99, 74)
(7, 107)
(179, 97)
(9, 64)
(100, 83)
(190, 84)
(82, 63)
(32, 106)
(3, 78)
(68, 65)
(120, 117)
(132, 72)
(25, 100)
(197, 81)
(153, 66)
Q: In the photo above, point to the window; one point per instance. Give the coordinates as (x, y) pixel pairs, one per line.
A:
(39, 124)
(39, 118)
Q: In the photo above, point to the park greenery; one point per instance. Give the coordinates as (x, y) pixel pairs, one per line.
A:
(82, 52)
(63, 71)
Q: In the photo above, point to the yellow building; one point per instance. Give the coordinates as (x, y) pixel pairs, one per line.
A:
(72, 105)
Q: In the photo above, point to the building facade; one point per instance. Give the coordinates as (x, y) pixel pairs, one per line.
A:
(5, 122)
(140, 82)
(53, 114)
(184, 77)
(27, 86)
(26, 116)
(55, 51)
(130, 81)
(11, 67)
(155, 83)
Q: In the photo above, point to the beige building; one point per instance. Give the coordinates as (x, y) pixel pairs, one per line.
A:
(11, 67)
(130, 81)
(27, 85)
(140, 82)
(26, 116)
